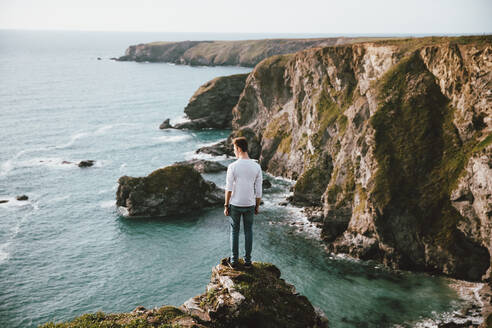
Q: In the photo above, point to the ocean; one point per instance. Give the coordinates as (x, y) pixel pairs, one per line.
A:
(67, 250)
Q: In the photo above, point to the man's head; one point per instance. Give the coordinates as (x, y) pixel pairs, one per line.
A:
(241, 144)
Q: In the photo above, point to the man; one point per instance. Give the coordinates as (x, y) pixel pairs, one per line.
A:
(242, 198)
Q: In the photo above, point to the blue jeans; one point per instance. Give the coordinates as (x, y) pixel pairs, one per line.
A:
(235, 221)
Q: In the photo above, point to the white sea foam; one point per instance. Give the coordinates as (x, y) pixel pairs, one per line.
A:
(72, 140)
(107, 203)
(4, 254)
(172, 138)
(5, 247)
(192, 155)
(8, 165)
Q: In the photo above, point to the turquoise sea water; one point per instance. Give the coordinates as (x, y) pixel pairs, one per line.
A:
(67, 251)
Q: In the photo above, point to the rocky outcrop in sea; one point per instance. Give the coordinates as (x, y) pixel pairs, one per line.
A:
(170, 191)
(211, 105)
(242, 297)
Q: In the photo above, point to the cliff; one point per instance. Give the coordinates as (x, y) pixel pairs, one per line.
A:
(246, 53)
(243, 297)
(211, 105)
(391, 140)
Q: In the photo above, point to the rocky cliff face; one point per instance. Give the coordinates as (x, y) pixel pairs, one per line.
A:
(246, 53)
(211, 105)
(253, 297)
(391, 139)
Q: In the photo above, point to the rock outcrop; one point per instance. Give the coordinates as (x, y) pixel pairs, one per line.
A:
(392, 139)
(170, 191)
(211, 105)
(204, 166)
(246, 53)
(243, 297)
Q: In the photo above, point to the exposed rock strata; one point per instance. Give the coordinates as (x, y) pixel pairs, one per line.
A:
(170, 191)
(246, 53)
(392, 139)
(211, 105)
(243, 297)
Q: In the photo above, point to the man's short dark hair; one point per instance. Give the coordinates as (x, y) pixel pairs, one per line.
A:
(241, 142)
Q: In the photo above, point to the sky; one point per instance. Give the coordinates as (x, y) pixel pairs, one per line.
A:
(252, 16)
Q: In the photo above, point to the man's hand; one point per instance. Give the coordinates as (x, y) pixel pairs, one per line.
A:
(257, 209)
(226, 211)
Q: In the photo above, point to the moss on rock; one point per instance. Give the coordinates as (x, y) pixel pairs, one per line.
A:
(420, 158)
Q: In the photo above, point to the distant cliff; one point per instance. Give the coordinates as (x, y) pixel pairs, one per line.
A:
(246, 53)
(392, 140)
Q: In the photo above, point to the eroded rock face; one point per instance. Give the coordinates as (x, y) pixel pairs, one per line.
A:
(254, 297)
(392, 139)
(211, 105)
(173, 190)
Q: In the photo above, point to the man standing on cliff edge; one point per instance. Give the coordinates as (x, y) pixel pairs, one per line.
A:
(242, 198)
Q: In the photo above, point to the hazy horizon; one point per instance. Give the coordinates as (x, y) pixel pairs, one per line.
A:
(349, 17)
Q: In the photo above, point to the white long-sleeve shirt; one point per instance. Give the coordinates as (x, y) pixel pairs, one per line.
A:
(244, 179)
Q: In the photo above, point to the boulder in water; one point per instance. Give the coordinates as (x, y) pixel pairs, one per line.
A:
(86, 163)
(165, 124)
(22, 197)
(204, 166)
(177, 189)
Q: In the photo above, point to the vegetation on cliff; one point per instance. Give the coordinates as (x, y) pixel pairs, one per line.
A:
(381, 134)
(242, 297)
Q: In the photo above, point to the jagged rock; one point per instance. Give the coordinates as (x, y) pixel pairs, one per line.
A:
(266, 184)
(204, 166)
(219, 149)
(22, 197)
(86, 163)
(4, 201)
(254, 297)
(173, 190)
(165, 124)
(392, 139)
(211, 105)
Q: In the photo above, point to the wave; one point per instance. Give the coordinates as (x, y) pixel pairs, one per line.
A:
(107, 203)
(4, 254)
(192, 155)
(172, 138)
(5, 247)
(95, 132)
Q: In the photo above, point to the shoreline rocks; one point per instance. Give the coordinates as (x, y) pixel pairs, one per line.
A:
(241, 297)
(165, 124)
(204, 166)
(211, 105)
(22, 197)
(174, 190)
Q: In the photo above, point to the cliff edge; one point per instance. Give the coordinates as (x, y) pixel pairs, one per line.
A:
(391, 140)
(243, 297)
(245, 53)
